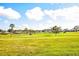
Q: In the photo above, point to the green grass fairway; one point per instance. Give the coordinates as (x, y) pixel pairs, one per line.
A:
(40, 44)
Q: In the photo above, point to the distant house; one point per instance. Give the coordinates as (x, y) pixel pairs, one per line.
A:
(18, 31)
(37, 31)
(46, 30)
(21, 31)
(4, 32)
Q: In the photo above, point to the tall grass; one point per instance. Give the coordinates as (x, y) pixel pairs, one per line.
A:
(40, 44)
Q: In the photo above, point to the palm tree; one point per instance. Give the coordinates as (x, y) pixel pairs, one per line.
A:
(11, 27)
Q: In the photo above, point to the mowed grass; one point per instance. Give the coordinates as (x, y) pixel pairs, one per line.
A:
(40, 44)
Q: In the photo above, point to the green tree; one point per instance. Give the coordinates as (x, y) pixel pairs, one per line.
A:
(76, 28)
(1, 30)
(65, 30)
(56, 29)
(25, 30)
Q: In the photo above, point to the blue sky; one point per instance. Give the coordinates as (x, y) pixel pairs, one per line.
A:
(38, 15)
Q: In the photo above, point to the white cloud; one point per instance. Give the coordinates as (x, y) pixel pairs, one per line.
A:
(35, 14)
(9, 13)
(71, 13)
(66, 17)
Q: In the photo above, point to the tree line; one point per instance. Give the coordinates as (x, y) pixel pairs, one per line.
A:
(55, 29)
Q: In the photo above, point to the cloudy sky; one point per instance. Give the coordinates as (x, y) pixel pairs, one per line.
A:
(39, 15)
